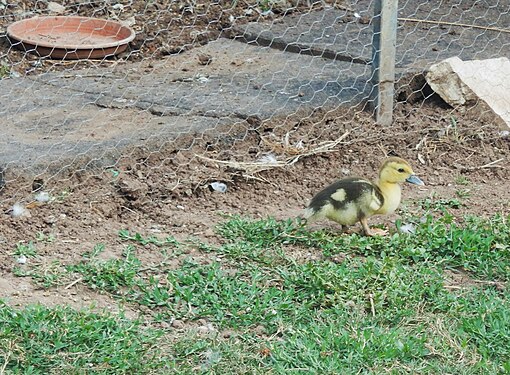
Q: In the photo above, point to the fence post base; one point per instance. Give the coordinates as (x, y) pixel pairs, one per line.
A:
(383, 59)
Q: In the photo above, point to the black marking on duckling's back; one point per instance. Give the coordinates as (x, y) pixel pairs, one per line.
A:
(354, 188)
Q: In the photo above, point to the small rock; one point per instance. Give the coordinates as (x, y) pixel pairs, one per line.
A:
(128, 22)
(206, 329)
(219, 186)
(228, 334)
(131, 188)
(209, 233)
(364, 20)
(56, 7)
(19, 210)
(259, 330)
(204, 59)
(22, 259)
(178, 324)
(51, 219)
(202, 79)
(42, 196)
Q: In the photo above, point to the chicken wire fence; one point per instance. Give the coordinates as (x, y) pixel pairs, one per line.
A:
(205, 77)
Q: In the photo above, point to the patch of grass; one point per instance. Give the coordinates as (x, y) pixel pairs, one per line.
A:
(112, 275)
(463, 193)
(439, 204)
(230, 298)
(346, 347)
(479, 246)
(385, 306)
(461, 180)
(241, 354)
(5, 70)
(138, 238)
(41, 340)
(27, 250)
(386, 289)
(47, 276)
(261, 233)
(484, 322)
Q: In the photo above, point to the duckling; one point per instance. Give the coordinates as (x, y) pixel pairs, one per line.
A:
(354, 199)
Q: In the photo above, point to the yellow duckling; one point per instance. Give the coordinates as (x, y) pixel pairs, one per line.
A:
(354, 199)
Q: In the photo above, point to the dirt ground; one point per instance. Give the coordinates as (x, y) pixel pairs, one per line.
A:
(459, 156)
(162, 27)
(168, 192)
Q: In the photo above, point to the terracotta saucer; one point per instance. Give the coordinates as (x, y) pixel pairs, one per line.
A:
(70, 37)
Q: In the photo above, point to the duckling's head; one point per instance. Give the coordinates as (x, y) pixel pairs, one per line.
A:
(396, 170)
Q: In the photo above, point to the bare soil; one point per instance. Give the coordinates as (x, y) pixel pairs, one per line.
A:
(162, 27)
(168, 192)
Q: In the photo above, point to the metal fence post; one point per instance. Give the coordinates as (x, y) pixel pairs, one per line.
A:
(383, 59)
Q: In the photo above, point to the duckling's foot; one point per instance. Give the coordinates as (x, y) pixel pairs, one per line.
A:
(379, 232)
(348, 230)
(372, 232)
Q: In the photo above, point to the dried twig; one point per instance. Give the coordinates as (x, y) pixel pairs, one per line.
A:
(74, 283)
(255, 167)
(372, 305)
(7, 356)
(492, 164)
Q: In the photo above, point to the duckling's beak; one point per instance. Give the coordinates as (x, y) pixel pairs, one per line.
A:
(413, 179)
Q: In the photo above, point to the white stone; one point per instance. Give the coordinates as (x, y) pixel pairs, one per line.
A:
(56, 7)
(19, 210)
(485, 82)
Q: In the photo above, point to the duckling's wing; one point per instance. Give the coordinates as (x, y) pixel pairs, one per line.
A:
(356, 197)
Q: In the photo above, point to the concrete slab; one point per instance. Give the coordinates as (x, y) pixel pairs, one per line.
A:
(70, 115)
(346, 34)
(483, 83)
(55, 118)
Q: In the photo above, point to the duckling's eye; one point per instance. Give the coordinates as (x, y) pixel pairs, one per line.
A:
(401, 170)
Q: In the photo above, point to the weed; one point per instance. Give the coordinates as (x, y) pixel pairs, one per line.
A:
(27, 250)
(42, 237)
(461, 180)
(5, 71)
(137, 237)
(109, 275)
(441, 204)
(463, 193)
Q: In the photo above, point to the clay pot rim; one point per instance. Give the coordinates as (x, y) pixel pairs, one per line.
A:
(14, 33)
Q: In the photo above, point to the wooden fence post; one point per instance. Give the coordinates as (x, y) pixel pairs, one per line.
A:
(383, 59)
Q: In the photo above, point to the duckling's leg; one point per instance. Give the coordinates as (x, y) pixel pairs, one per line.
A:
(366, 228)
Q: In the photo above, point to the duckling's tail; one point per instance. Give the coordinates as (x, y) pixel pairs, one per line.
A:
(309, 215)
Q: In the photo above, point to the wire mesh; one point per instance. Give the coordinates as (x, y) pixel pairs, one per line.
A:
(217, 91)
